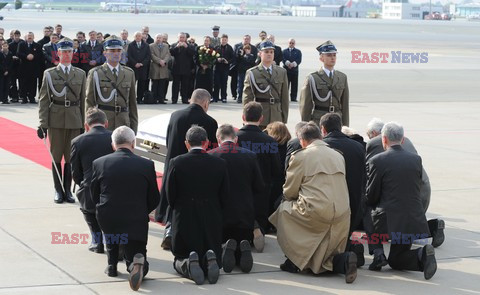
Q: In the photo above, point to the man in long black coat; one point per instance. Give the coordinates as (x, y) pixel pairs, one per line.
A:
(87, 147)
(251, 137)
(197, 190)
(393, 189)
(31, 57)
(354, 155)
(374, 147)
(124, 189)
(180, 122)
(139, 55)
(245, 181)
(183, 65)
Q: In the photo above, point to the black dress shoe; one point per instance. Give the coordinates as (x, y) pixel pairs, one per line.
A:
(5, 102)
(58, 198)
(161, 102)
(359, 251)
(14, 100)
(69, 197)
(350, 267)
(167, 243)
(135, 277)
(246, 258)
(224, 100)
(111, 271)
(289, 266)
(438, 236)
(378, 262)
(428, 262)
(24, 101)
(213, 271)
(228, 255)
(194, 270)
(96, 248)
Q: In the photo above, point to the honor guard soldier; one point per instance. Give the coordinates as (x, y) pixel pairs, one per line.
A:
(215, 40)
(267, 84)
(61, 112)
(111, 87)
(325, 91)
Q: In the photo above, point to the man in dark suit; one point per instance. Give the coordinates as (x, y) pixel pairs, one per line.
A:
(222, 67)
(238, 51)
(292, 58)
(374, 147)
(278, 58)
(91, 53)
(6, 63)
(354, 155)
(393, 189)
(47, 32)
(87, 147)
(124, 189)
(31, 56)
(139, 60)
(146, 31)
(50, 52)
(15, 71)
(197, 191)
(180, 122)
(182, 68)
(245, 181)
(251, 137)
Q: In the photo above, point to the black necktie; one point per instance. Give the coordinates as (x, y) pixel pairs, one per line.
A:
(331, 75)
(114, 72)
(66, 71)
(269, 71)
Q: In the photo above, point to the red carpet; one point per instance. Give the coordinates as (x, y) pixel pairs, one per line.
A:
(23, 141)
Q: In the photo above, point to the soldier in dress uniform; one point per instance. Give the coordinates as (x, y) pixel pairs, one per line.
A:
(61, 112)
(267, 84)
(325, 91)
(215, 40)
(111, 87)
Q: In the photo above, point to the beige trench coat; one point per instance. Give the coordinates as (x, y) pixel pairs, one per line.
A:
(156, 71)
(313, 221)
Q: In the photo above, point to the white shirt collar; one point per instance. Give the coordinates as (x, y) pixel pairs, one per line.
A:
(327, 71)
(63, 67)
(196, 148)
(266, 68)
(111, 68)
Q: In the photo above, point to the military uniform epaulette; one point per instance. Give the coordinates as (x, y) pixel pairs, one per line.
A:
(128, 69)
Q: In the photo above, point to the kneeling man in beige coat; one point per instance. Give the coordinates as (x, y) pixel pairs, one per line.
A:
(313, 220)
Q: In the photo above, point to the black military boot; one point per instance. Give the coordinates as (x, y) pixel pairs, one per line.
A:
(58, 198)
(67, 183)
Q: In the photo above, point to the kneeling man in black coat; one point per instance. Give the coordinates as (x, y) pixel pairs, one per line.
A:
(239, 214)
(197, 190)
(124, 189)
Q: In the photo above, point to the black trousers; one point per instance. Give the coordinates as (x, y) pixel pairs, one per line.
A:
(141, 88)
(4, 87)
(181, 83)
(233, 82)
(131, 248)
(28, 86)
(14, 77)
(238, 234)
(293, 84)
(204, 79)
(158, 89)
(401, 257)
(220, 84)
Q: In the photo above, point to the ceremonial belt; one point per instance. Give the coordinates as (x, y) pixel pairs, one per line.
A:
(67, 103)
(330, 109)
(116, 109)
(269, 100)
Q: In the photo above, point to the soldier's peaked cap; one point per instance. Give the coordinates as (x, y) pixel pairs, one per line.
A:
(266, 45)
(215, 28)
(327, 47)
(113, 42)
(65, 44)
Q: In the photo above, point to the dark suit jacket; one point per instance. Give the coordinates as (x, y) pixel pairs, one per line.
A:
(124, 187)
(393, 188)
(86, 148)
(13, 48)
(354, 155)
(139, 55)
(197, 190)
(374, 147)
(180, 122)
(44, 41)
(30, 67)
(292, 145)
(278, 57)
(183, 64)
(227, 53)
(87, 54)
(50, 54)
(236, 50)
(252, 138)
(245, 181)
(292, 56)
(6, 62)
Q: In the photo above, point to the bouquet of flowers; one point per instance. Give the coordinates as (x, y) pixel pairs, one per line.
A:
(207, 56)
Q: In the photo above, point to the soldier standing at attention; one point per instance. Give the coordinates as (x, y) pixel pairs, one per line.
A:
(325, 91)
(215, 40)
(61, 106)
(111, 87)
(267, 84)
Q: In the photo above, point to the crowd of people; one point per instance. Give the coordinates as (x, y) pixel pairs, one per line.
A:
(223, 189)
(154, 60)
